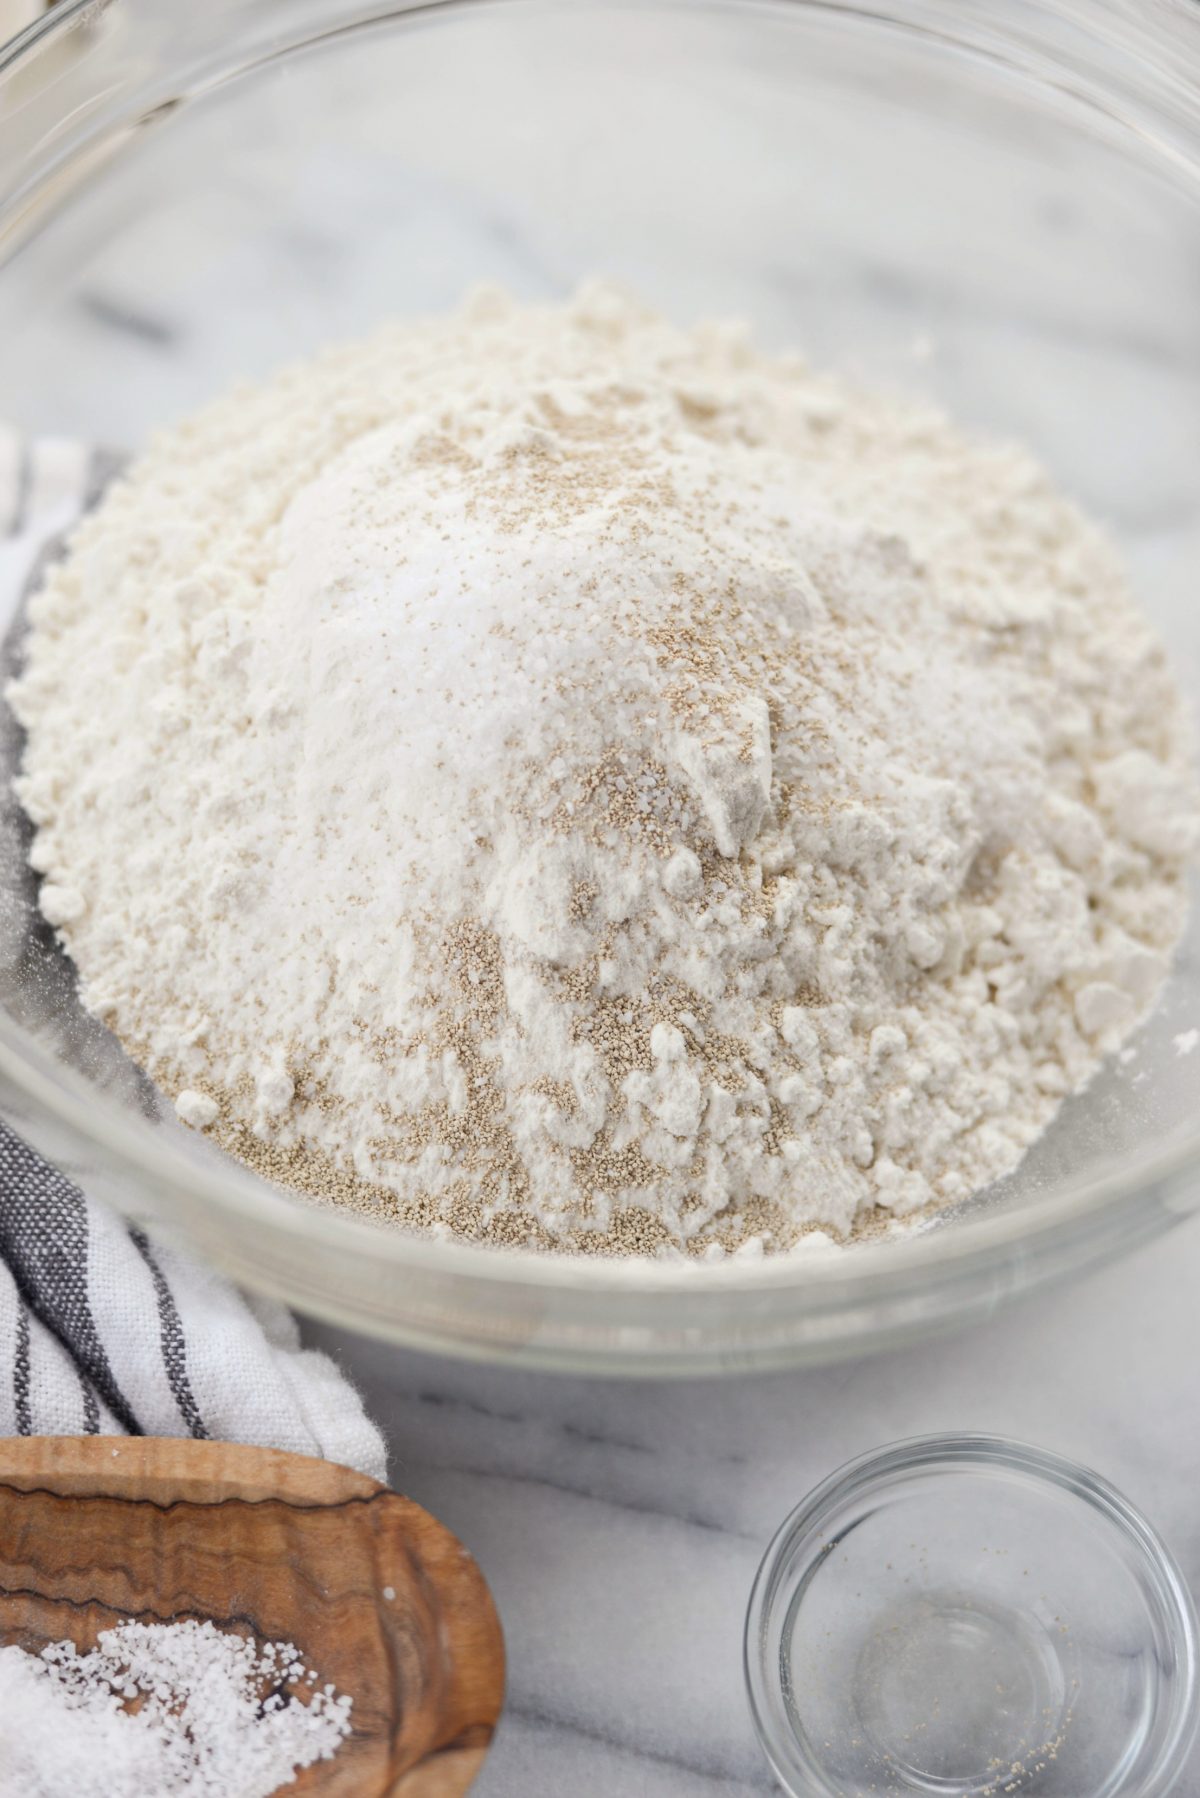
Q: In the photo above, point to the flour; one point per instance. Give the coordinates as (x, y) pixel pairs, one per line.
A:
(162, 1710)
(553, 778)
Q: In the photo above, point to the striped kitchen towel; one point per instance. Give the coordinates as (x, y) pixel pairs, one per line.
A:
(100, 1329)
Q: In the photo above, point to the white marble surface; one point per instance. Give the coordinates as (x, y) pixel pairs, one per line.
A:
(620, 1524)
(1046, 292)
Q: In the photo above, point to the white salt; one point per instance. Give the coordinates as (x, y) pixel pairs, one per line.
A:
(213, 1719)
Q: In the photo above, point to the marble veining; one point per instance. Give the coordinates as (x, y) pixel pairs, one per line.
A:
(620, 1524)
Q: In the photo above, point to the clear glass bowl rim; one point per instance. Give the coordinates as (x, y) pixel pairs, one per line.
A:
(1080, 1223)
(880, 1468)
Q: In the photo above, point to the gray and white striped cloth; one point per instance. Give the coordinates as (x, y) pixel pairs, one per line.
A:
(101, 1330)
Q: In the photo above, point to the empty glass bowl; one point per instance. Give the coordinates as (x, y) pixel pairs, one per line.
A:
(971, 1617)
(992, 201)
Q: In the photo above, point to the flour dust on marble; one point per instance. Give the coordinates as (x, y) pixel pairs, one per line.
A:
(550, 777)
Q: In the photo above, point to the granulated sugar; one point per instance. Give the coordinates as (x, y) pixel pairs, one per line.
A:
(559, 779)
(163, 1710)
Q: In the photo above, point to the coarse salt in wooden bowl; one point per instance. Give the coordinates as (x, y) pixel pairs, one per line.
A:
(373, 1591)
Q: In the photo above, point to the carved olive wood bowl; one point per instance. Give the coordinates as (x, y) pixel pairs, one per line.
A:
(377, 1595)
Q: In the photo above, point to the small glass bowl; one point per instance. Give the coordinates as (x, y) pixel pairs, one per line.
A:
(967, 1615)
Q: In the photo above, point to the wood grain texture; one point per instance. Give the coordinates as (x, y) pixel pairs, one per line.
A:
(97, 1529)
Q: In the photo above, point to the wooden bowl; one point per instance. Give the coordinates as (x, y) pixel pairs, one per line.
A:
(376, 1594)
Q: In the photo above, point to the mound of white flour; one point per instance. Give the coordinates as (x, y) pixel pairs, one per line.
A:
(566, 780)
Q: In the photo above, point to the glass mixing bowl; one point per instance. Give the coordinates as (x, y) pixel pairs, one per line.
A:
(992, 201)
